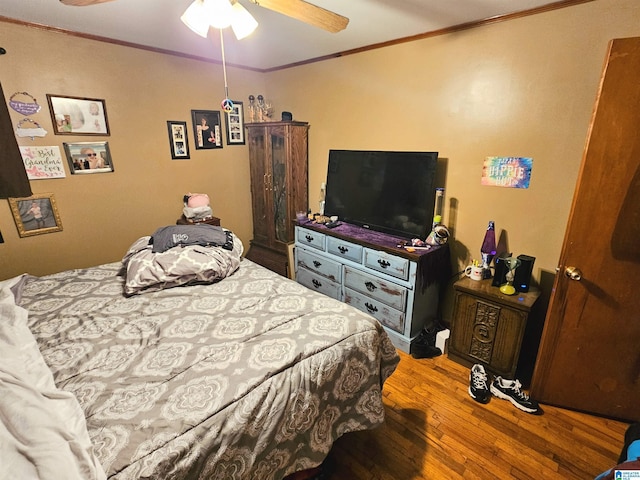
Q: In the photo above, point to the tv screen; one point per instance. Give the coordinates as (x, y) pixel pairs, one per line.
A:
(390, 192)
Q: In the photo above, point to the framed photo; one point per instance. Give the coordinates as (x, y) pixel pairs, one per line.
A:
(78, 115)
(88, 157)
(207, 129)
(178, 142)
(235, 124)
(36, 214)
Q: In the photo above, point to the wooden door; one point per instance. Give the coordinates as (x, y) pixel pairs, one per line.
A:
(589, 358)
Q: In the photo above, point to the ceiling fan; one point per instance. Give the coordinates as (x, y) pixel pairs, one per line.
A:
(298, 9)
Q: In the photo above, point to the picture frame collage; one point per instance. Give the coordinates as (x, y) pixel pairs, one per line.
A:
(76, 116)
(207, 131)
(82, 116)
(71, 115)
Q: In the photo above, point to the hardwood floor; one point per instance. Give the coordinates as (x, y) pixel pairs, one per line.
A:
(435, 430)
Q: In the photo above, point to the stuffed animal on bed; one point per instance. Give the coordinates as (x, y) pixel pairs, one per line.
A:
(196, 207)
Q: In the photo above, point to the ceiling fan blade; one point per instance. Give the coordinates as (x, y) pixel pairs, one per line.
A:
(82, 3)
(308, 13)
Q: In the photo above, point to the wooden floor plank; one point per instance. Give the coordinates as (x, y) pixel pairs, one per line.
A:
(434, 430)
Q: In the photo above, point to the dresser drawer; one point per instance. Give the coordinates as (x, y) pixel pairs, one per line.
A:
(383, 262)
(321, 284)
(344, 249)
(389, 317)
(377, 288)
(310, 238)
(319, 264)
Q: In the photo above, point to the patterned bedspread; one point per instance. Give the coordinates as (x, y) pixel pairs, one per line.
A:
(253, 377)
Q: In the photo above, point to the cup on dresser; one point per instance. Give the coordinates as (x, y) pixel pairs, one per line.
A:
(474, 272)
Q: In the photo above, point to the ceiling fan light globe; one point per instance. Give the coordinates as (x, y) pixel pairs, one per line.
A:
(219, 13)
(194, 17)
(243, 23)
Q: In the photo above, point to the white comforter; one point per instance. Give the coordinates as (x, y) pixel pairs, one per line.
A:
(43, 434)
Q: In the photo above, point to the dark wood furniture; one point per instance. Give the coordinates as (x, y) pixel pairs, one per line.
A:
(488, 327)
(278, 157)
(215, 221)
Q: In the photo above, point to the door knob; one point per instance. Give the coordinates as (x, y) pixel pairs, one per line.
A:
(573, 273)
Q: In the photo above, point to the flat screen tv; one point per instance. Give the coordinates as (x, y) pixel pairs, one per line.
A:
(389, 192)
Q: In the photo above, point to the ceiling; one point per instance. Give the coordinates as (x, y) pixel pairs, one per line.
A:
(278, 41)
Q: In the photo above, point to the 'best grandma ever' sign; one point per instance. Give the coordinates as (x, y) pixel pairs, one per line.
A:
(42, 162)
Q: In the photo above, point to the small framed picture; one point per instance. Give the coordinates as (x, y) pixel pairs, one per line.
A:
(36, 214)
(207, 129)
(88, 157)
(78, 115)
(178, 143)
(235, 124)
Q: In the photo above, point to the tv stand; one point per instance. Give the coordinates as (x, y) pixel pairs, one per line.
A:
(368, 270)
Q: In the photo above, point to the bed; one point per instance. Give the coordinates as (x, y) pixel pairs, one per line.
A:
(242, 374)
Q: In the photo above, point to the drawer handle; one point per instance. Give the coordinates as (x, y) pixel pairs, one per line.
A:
(316, 263)
(309, 238)
(371, 308)
(370, 286)
(316, 283)
(343, 250)
(383, 263)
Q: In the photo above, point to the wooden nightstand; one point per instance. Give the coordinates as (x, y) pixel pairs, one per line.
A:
(212, 221)
(488, 327)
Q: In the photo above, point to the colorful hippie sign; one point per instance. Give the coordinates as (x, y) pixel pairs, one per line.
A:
(512, 172)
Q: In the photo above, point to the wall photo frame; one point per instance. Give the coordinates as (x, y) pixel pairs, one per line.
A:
(207, 129)
(78, 115)
(178, 141)
(86, 158)
(235, 124)
(36, 214)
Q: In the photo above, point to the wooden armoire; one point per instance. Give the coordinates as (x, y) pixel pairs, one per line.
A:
(278, 157)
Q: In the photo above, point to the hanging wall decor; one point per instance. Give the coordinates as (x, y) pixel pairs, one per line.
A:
(235, 124)
(178, 141)
(78, 116)
(30, 131)
(25, 108)
(42, 162)
(36, 214)
(510, 172)
(207, 129)
(88, 157)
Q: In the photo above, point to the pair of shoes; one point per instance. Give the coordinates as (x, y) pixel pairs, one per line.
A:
(424, 351)
(501, 388)
(631, 435)
(478, 388)
(424, 345)
(510, 390)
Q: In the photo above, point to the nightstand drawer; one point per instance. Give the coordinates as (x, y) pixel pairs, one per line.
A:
(318, 283)
(377, 288)
(343, 249)
(386, 315)
(383, 262)
(310, 238)
(322, 265)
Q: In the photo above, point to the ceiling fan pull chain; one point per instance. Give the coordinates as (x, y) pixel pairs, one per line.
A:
(227, 103)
